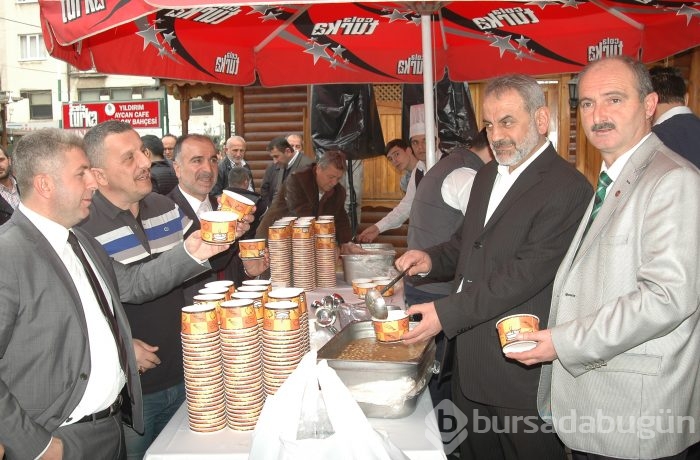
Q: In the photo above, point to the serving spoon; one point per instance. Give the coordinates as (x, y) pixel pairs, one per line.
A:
(374, 299)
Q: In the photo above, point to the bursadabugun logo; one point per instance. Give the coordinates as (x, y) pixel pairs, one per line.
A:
(451, 425)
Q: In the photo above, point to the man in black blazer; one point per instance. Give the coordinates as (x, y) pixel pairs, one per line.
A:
(61, 374)
(522, 214)
(234, 148)
(675, 124)
(285, 161)
(195, 163)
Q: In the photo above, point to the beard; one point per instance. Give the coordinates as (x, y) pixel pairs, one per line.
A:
(4, 174)
(522, 150)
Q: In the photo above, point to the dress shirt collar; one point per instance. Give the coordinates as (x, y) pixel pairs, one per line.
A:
(505, 170)
(616, 168)
(243, 163)
(12, 188)
(678, 110)
(55, 233)
(294, 158)
(194, 203)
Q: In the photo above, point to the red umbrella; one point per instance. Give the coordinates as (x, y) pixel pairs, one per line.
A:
(322, 42)
(233, 42)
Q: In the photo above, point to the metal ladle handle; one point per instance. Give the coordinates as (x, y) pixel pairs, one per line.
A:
(395, 280)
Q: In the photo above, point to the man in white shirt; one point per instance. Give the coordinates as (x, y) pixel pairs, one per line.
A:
(397, 216)
(65, 361)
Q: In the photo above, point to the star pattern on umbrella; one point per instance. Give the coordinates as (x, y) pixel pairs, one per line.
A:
(503, 44)
(542, 3)
(270, 15)
(522, 42)
(318, 52)
(338, 50)
(571, 3)
(689, 12)
(262, 9)
(150, 36)
(169, 37)
(396, 15)
(149, 32)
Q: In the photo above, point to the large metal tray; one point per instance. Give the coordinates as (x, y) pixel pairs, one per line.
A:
(361, 373)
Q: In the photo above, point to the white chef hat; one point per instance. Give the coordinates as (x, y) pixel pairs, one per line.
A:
(417, 121)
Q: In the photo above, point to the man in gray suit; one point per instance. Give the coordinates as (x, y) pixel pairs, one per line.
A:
(63, 329)
(624, 331)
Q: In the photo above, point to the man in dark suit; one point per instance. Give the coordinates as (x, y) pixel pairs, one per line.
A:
(63, 329)
(234, 148)
(675, 124)
(195, 163)
(522, 214)
(285, 161)
(9, 192)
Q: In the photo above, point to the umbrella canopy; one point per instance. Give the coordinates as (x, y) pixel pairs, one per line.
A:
(321, 42)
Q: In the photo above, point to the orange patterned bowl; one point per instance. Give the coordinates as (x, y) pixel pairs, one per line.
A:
(392, 328)
(510, 326)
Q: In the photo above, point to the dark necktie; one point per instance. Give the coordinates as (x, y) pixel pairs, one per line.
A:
(604, 182)
(419, 176)
(100, 296)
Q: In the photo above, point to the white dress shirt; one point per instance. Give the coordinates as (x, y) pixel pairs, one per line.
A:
(505, 180)
(399, 214)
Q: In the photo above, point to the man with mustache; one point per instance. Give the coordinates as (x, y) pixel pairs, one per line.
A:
(196, 165)
(64, 338)
(522, 213)
(135, 225)
(623, 331)
(9, 192)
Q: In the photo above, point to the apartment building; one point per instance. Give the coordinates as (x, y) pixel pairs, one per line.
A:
(39, 91)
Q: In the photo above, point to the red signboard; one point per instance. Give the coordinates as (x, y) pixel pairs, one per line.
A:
(139, 113)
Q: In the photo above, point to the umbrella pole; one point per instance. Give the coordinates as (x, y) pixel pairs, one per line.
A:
(428, 96)
(353, 200)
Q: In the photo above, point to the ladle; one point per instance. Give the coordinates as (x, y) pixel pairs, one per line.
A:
(325, 317)
(374, 299)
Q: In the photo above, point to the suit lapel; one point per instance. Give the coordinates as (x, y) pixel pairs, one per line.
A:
(618, 194)
(528, 178)
(56, 264)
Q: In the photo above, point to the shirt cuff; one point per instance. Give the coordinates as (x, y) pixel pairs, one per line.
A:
(199, 261)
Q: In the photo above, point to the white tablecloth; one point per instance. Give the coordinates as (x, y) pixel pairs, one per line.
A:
(417, 435)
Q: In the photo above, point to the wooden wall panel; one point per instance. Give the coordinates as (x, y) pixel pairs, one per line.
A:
(262, 114)
(380, 184)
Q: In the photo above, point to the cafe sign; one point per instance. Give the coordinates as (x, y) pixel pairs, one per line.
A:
(138, 113)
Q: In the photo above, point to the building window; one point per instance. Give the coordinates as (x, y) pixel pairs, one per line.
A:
(120, 94)
(40, 104)
(86, 95)
(31, 47)
(201, 107)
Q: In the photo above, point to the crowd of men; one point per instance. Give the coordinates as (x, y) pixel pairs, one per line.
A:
(100, 246)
